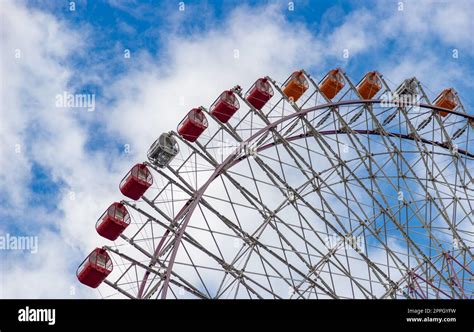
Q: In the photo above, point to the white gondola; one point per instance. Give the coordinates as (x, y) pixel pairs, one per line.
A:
(408, 87)
(163, 150)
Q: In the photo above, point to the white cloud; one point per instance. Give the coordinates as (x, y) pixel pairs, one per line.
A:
(195, 68)
(423, 21)
(51, 138)
(198, 69)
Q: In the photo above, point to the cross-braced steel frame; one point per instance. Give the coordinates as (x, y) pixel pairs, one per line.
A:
(348, 198)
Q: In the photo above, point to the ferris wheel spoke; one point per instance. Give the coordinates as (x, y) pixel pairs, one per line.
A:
(375, 200)
(442, 209)
(421, 186)
(410, 243)
(330, 225)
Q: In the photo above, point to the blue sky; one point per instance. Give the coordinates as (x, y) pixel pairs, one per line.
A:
(80, 154)
(144, 26)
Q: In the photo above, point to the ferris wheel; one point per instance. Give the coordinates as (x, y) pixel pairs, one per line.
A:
(299, 189)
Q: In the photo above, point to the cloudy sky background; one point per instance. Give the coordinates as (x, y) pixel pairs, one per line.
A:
(60, 167)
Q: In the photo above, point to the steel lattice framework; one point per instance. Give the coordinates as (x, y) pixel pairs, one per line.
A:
(348, 198)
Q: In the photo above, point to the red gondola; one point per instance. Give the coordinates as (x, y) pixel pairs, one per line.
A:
(113, 221)
(225, 106)
(95, 268)
(136, 182)
(260, 93)
(193, 125)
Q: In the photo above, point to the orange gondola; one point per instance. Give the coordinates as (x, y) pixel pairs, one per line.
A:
(446, 99)
(370, 85)
(332, 83)
(296, 85)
